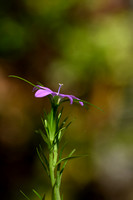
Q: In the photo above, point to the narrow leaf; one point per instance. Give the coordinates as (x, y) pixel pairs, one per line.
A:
(45, 114)
(42, 161)
(61, 151)
(59, 115)
(88, 103)
(45, 138)
(68, 125)
(13, 76)
(61, 132)
(43, 122)
(60, 155)
(66, 161)
(38, 195)
(44, 157)
(24, 195)
(63, 123)
(68, 158)
(38, 83)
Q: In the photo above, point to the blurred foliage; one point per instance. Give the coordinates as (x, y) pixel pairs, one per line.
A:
(87, 46)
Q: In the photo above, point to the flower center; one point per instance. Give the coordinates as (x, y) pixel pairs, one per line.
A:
(60, 85)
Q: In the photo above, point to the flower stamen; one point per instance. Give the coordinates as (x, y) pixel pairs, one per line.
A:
(60, 85)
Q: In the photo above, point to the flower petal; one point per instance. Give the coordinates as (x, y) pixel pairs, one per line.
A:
(80, 102)
(42, 93)
(67, 96)
(41, 87)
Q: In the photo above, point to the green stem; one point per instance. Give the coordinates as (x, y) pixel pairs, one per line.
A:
(54, 174)
(55, 179)
(51, 168)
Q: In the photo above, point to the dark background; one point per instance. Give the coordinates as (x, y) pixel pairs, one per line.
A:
(86, 45)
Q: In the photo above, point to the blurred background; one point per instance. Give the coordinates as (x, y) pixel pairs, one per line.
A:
(86, 45)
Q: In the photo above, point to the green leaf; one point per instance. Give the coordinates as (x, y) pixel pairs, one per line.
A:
(44, 157)
(88, 103)
(59, 115)
(61, 131)
(24, 195)
(13, 76)
(45, 138)
(63, 123)
(63, 159)
(45, 114)
(38, 83)
(60, 155)
(45, 168)
(66, 161)
(68, 158)
(61, 151)
(68, 125)
(43, 122)
(38, 195)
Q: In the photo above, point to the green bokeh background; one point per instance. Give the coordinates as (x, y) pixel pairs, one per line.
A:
(86, 45)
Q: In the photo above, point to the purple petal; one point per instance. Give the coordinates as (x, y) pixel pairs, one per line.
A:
(41, 87)
(80, 102)
(68, 96)
(54, 94)
(71, 97)
(42, 93)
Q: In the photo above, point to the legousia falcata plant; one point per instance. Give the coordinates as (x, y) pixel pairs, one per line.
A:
(53, 130)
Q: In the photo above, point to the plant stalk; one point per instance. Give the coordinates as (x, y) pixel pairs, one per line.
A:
(55, 181)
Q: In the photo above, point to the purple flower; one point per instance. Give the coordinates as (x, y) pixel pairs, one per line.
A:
(44, 91)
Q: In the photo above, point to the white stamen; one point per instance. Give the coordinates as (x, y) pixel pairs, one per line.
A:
(60, 85)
